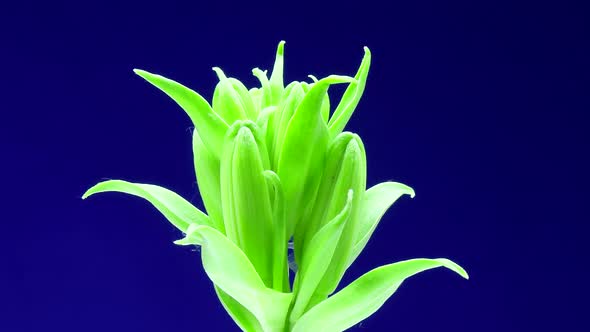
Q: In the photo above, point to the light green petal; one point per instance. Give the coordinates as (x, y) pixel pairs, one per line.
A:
(366, 295)
(351, 97)
(210, 126)
(175, 208)
(230, 270)
(375, 203)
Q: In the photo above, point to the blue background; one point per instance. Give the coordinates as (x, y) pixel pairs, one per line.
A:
(482, 107)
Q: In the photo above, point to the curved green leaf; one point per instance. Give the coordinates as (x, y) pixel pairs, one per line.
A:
(230, 270)
(375, 203)
(351, 97)
(366, 295)
(210, 126)
(176, 209)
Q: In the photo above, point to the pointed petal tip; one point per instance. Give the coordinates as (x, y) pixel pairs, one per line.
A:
(281, 48)
(140, 72)
(183, 242)
(91, 191)
(449, 264)
(367, 50)
(220, 74)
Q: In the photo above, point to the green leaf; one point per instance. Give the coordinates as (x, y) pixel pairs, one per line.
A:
(207, 170)
(175, 208)
(240, 314)
(366, 295)
(376, 202)
(210, 126)
(230, 270)
(317, 258)
(351, 97)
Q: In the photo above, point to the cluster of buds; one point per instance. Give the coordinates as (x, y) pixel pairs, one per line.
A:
(274, 170)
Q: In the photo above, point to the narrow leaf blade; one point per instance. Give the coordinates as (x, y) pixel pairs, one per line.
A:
(377, 200)
(366, 295)
(230, 270)
(351, 97)
(176, 209)
(210, 126)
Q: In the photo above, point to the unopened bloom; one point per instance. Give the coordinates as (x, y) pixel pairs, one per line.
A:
(272, 164)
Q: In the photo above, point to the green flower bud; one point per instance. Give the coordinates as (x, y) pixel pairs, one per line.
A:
(231, 99)
(345, 170)
(302, 152)
(245, 199)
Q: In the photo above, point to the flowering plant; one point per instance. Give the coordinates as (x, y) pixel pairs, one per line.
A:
(276, 172)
